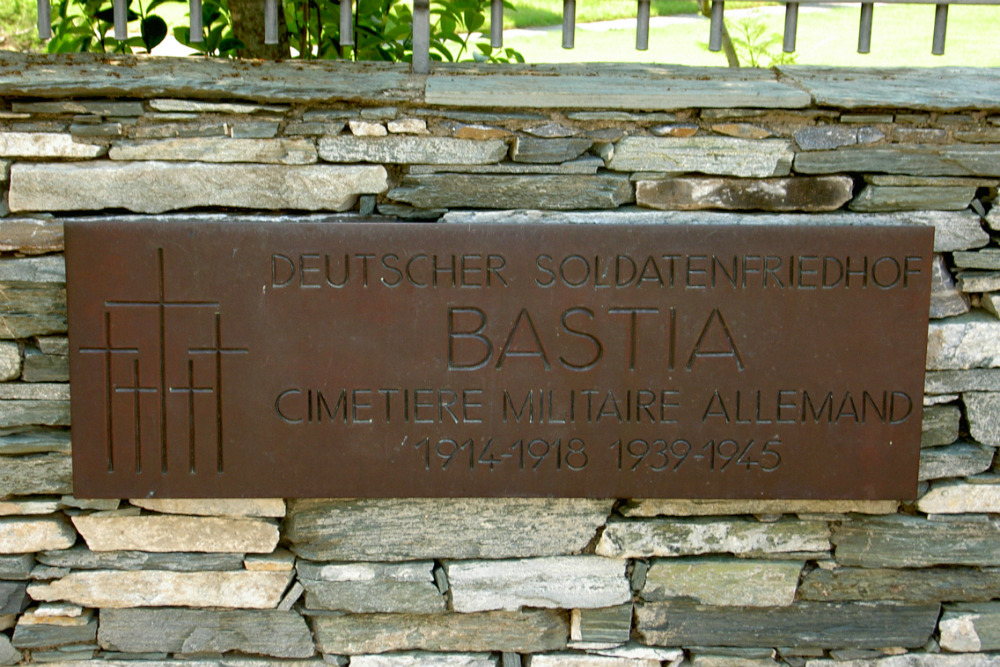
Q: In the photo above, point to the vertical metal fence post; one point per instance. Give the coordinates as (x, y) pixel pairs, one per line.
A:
(496, 24)
(642, 26)
(865, 31)
(715, 37)
(270, 21)
(121, 20)
(940, 29)
(569, 24)
(196, 27)
(346, 27)
(421, 36)
(44, 19)
(791, 25)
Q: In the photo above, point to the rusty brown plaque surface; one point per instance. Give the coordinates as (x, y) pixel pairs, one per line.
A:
(373, 359)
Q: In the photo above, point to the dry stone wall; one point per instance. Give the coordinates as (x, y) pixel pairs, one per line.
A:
(473, 582)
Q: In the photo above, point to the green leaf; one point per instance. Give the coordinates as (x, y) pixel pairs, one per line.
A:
(230, 44)
(153, 30)
(108, 15)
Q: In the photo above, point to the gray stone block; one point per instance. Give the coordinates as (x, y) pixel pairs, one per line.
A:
(826, 193)
(547, 151)
(912, 159)
(971, 628)
(940, 425)
(911, 541)
(35, 474)
(959, 460)
(218, 149)
(946, 299)
(514, 191)
(411, 150)
(35, 442)
(934, 584)
(967, 341)
(722, 156)
(82, 558)
(920, 198)
(723, 581)
(13, 599)
(983, 413)
(371, 587)
(45, 636)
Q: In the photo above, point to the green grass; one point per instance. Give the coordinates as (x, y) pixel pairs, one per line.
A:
(534, 13)
(826, 36)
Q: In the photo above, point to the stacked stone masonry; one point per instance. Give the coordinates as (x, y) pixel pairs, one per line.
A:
(512, 582)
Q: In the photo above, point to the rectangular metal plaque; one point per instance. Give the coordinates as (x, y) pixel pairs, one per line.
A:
(372, 359)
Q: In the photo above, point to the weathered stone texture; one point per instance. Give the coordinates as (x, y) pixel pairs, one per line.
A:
(961, 498)
(114, 531)
(915, 660)
(979, 281)
(547, 151)
(585, 660)
(723, 581)
(721, 156)
(825, 193)
(371, 587)
(35, 474)
(411, 150)
(683, 537)
(8, 654)
(983, 412)
(411, 529)
(955, 382)
(700, 507)
(940, 425)
(156, 186)
(35, 442)
(281, 634)
(218, 149)
(985, 258)
(30, 236)
(82, 558)
(26, 535)
(910, 541)
(803, 625)
(608, 625)
(946, 299)
(503, 191)
(43, 636)
(933, 584)
(920, 198)
(959, 460)
(424, 659)
(248, 507)
(45, 145)
(565, 582)
(13, 599)
(521, 632)
(14, 567)
(967, 341)
(971, 627)
(914, 159)
(152, 588)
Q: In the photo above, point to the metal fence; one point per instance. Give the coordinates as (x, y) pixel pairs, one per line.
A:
(422, 18)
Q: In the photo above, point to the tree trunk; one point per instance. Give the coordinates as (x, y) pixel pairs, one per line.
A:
(248, 26)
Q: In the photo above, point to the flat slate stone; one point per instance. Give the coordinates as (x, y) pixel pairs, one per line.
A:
(983, 412)
(724, 156)
(521, 632)
(424, 659)
(824, 193)
(45, 367)
(919, 198)
(959, 460)
(371, 587)
(87, 75)
(940, 425)
(46, 145)
(95, 107)
(218, 149)
(412, 150)
(118, 531)
(155, 186)
(280, 634)
(213, 107)
(960, 498)
(910, 541)
(16, 567)
(45, 636)
(907, 585)
(946, 299)
(588, 164)
(569, 659)
(82, 558)
(258, 507)
(970, 628)
(13, 599)
(607, 625)
(987, 258)
(504, 191)
(685, 537)
(979, 281)
(915, 660)
(35, 474)
(723, 581)
(967, 341)
(31, 236)
(154, 588)
(46, 269)
(19, 535)
(803, 625)
(913, 159)
(951, 89)
(953, 382)
(649, 87)
(547, 151)
(19, 412)
(700, 507)
(35, 442)
(825, 137)
(560, 582)
(8, 654)
(413, 529)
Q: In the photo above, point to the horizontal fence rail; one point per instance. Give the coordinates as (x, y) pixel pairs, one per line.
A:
(422, 17)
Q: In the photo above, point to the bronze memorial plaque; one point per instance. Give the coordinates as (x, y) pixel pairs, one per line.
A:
(374, 359)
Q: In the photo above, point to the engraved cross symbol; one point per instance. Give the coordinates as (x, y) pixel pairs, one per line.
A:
(137, 391)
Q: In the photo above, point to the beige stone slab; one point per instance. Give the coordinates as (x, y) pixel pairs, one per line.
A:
(28, 507)
(45, 145)
(218, 149)
(26, 535)
(585, 660)
(158, 186)
(734, 582)
(696, 507)
(724, 156)
(246, 507)
(282, 560)
(113, 531)
(961, 498)
(121, 589)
